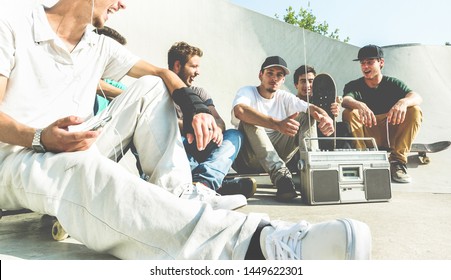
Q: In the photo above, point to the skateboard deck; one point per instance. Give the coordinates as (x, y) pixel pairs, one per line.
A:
(423, 149)
(324, 92)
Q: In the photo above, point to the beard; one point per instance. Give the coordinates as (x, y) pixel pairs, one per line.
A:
(97, 22)
(271, 90)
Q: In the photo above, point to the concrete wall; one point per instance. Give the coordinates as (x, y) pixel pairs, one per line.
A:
(235, 42)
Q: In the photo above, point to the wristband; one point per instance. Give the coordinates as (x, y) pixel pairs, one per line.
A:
(190, 104)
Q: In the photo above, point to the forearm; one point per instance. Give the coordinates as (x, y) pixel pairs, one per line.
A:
(351, 103)
(171, 80)
(412, 99)
(249, 115)
(14, 133)
(318, 110)
(108, 90)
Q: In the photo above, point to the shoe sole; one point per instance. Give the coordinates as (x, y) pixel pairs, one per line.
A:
(359, 243)
(247, 192)
(253, 189)
(286, 196)
(401, 181)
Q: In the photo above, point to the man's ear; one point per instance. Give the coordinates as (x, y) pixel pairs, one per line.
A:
(177, 67)
(382, 63)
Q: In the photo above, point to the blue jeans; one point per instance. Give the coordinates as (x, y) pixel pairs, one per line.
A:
(211, 165)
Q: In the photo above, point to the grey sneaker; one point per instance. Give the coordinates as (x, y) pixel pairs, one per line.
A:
(199, 191)
(398, 172)
(342, 239)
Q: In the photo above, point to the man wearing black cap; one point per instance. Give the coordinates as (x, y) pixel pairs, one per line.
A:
(384, 108)
(273, 126)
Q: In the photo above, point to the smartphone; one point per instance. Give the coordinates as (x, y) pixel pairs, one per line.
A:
(99, 124)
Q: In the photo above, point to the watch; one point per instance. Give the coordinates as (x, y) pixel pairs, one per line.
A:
(37, 145)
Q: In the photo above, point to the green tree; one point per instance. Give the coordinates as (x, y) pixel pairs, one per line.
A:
(305, 19)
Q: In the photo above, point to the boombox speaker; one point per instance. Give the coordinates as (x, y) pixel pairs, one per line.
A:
(344, 176)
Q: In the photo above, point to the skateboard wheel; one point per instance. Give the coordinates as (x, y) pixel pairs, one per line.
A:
(426, 160)
(58, 233)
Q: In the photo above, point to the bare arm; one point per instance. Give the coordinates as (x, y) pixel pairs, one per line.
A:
(247, 114)
(171, 80)
(55, 137)
(202, 123)
(366, 115)
(397, 113)
(12, 132)
(107, 89)
(325, 123)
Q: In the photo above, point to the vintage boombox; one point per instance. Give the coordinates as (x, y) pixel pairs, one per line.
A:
(344, 176)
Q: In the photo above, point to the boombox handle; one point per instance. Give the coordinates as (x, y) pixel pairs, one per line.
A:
(340, 138)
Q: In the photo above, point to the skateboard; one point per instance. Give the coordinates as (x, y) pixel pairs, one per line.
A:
(324, 93)
(424, 149)
(58, 232)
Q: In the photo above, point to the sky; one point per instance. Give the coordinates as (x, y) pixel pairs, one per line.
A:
(382, 22)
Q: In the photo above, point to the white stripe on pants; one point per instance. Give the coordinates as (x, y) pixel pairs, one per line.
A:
(110, 210)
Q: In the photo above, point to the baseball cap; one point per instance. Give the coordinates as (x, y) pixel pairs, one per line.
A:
(273, 61)
(370, 51)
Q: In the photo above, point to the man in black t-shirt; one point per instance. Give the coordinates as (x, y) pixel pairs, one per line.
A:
(384, 108)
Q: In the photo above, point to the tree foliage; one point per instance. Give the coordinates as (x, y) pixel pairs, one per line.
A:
(305, 19)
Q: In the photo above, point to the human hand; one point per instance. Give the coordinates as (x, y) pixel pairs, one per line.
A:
(335, 109)
(397, 113)
(367, 116)
(205, 130)
(56, 137)
(325, 123)
(289, 126)
(336, 106)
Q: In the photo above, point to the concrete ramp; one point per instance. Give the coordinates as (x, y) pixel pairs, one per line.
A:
(426, 70)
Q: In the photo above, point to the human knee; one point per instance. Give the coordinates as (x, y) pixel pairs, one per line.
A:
(233, 135)
(348, 115)
(414, 113)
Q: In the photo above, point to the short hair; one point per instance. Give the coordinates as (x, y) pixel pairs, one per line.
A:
(182, 52)
(110, 32)
(303, 69)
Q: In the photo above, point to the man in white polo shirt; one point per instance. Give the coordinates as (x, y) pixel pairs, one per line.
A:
(50, 64)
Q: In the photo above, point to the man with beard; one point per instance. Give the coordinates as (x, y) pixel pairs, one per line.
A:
(274, 128)
(211, 165)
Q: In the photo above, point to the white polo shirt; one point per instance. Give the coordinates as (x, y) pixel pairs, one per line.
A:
(45, 81)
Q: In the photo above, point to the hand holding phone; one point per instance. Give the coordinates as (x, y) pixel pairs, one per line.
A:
(90, 125)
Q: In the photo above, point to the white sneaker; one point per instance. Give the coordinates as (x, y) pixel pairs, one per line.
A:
(200, 192)
(342, 239)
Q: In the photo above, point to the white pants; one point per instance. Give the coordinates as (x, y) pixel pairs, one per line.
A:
(111, 210)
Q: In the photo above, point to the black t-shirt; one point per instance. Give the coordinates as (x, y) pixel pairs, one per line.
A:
(381, 99)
